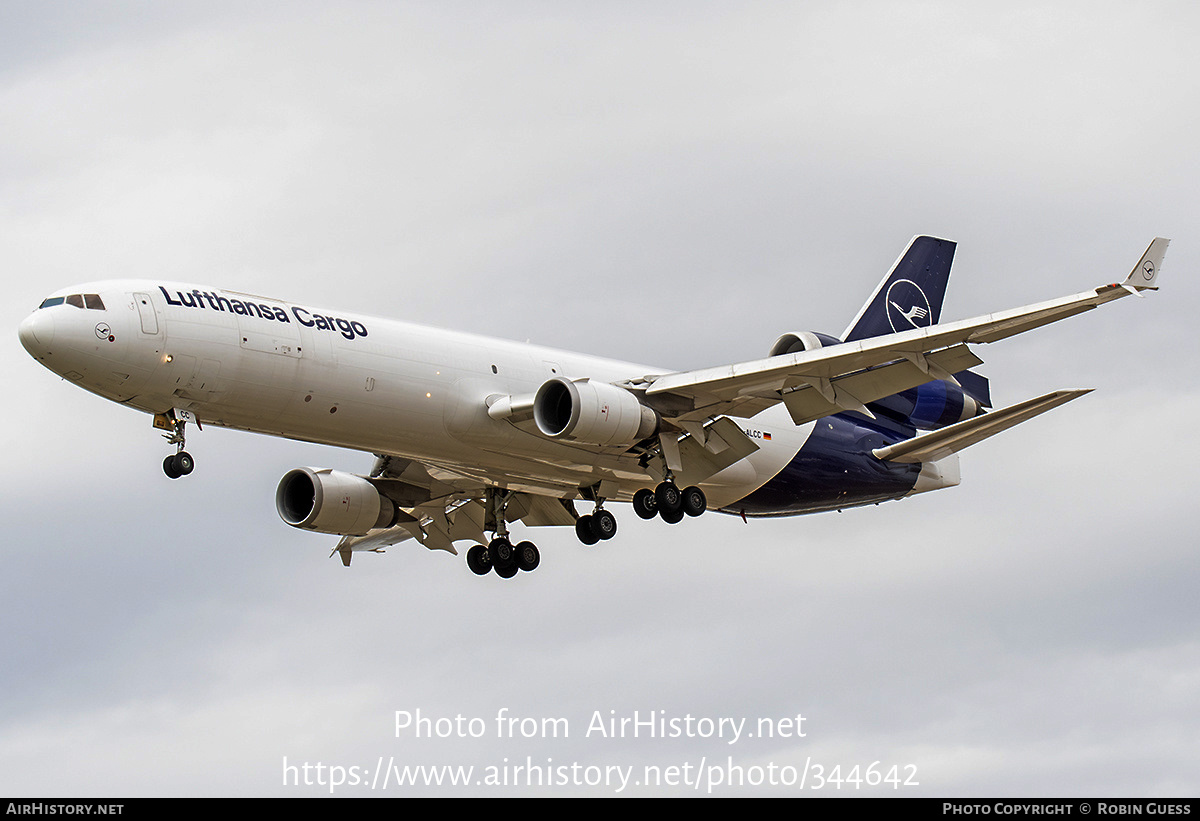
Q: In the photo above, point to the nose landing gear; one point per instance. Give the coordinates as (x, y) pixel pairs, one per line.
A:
(179, 463)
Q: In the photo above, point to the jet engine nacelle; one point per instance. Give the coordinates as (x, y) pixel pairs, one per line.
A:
(330, 501)
(798, 341)
(594, 412)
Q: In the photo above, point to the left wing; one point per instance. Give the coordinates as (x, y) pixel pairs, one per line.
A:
(847, 376)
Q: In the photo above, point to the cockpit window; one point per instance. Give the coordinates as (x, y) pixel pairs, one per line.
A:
(92, 302)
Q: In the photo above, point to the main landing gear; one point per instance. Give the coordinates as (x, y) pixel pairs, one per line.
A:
(666, 501)
(500, 554)
(179, 463)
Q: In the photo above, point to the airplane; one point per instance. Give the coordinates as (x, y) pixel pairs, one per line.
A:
(471, 435)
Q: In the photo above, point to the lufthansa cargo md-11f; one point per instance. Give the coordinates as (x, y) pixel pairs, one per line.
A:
(472, 435)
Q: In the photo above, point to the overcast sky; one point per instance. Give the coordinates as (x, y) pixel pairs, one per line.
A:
(673, 183)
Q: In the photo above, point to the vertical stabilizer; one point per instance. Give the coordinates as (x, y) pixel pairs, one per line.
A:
(911, 295)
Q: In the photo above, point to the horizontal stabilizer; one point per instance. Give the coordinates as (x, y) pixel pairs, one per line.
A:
(939, 444)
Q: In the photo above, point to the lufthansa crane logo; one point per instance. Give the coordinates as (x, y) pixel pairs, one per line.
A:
(1148, 270)
(103, 331)
(907, 306)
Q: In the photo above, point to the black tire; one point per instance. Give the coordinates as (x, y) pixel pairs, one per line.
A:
(644, 504)
(506, 572)
(170, 468)
(185, 463)
(583, 529)
(671, 517)
(668, 497)
(502, 553)
(604, 524)
(694, 501)
(479, 561)
(528, 556)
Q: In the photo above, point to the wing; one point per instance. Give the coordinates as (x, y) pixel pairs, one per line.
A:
(438, 507)
(847, 376)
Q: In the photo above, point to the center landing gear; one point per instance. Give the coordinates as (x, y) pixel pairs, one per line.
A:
(500, 554)
(179, 463)
(597, 526)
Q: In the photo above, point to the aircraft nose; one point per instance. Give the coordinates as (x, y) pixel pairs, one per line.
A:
(37, 332)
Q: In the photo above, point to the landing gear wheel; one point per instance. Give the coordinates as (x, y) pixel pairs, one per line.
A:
(604, 524)
(528, 556)
(671, 517)
(506, 572)
(644, 504)
(501, 552)
(668, 497)
(694, 501)
(479, 561)
(179, 464)
(583, 529)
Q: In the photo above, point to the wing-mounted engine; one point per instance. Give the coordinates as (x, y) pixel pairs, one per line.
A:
(330, 501)
(593, 412)
(797, 341)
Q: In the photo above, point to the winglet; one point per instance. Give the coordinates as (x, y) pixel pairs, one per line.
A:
(1145, 273)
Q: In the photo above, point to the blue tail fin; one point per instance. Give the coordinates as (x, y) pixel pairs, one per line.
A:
(911, 295)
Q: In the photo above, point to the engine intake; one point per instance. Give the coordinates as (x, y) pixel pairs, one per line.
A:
(330, 501)
(592, 412)
(798, 341)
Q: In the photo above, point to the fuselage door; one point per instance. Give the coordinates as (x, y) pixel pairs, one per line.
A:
(146, 312)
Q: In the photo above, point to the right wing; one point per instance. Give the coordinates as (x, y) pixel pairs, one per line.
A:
(438, 507)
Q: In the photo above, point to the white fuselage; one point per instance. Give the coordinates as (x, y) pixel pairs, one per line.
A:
(381, 386)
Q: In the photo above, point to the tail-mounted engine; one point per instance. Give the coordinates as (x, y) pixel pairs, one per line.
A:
(594, 412)
(798, 341)
(330, 501)
(933, 405)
